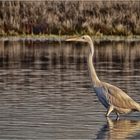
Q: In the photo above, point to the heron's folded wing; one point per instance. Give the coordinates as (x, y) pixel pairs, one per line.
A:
(119, 98)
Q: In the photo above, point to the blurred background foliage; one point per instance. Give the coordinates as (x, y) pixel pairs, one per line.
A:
(70, 17)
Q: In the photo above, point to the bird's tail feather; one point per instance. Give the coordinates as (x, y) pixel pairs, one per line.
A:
(135, 106)
(138, 107)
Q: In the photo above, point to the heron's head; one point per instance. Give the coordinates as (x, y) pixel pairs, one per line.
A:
(84, 38)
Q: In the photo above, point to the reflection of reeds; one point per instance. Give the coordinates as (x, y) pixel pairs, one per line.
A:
(30, 52)
(66, 17)
(113, 52)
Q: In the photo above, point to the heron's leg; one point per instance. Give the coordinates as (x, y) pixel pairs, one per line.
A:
(118, 115)
(109, 110)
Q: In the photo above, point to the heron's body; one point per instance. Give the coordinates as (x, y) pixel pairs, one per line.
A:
(112, 97)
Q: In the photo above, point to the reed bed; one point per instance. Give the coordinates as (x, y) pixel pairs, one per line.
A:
(70, 17)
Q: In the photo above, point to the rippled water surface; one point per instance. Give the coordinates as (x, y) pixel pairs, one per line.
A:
(45, 90)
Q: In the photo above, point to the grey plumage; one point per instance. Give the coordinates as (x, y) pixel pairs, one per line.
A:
(112, 97)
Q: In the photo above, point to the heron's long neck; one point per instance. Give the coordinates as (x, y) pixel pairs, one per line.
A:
(94, 78)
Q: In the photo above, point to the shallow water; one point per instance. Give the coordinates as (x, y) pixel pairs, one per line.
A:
(45, 90)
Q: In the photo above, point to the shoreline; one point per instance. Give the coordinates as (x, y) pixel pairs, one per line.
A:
(61, 38)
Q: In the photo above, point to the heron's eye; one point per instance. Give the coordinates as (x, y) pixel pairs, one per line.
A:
(83, 37)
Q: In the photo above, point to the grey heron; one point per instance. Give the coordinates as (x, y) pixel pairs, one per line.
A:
(113, 98)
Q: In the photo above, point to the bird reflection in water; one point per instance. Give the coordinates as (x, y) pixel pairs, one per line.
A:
(119, 129)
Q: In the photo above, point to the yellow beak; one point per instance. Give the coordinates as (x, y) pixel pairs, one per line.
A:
(78, 39)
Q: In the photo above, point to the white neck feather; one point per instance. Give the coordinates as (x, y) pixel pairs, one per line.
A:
(94, 78)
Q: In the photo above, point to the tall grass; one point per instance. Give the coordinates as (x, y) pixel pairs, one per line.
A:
(65, 17)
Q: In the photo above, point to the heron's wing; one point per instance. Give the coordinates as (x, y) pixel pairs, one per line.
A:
(119, 98)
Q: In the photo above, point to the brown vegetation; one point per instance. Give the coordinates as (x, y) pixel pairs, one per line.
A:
(65, 17)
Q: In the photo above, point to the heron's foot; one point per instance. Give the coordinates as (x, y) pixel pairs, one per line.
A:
(118, 116)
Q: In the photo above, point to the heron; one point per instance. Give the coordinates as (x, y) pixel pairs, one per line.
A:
(112, 98)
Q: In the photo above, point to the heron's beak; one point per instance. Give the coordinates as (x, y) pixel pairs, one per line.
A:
(76, 39)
